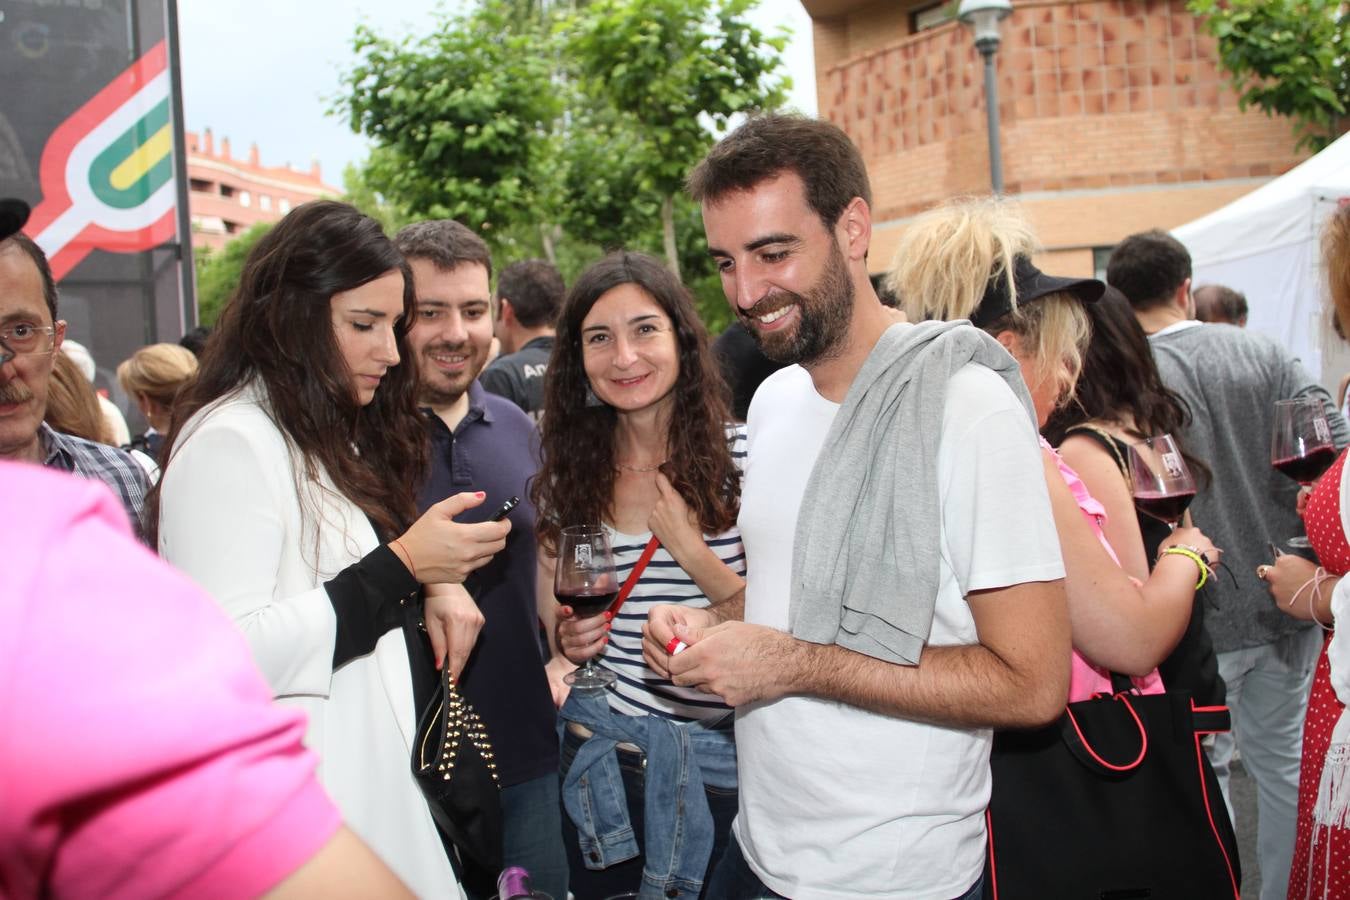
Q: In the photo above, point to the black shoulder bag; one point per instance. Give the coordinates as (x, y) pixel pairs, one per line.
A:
(1114, 800)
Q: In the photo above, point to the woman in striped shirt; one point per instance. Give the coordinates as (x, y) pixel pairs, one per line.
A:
(635, 435)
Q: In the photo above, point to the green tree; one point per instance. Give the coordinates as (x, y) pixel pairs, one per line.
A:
(673, 68)
(218, 272)
(460, 118)
(359, 192)
(1285, 57)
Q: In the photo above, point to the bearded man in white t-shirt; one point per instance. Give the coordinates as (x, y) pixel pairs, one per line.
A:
(861, 776)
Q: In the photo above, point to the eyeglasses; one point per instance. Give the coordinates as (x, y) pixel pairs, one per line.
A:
(23, 338)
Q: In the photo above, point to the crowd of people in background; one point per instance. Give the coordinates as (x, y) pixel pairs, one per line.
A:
(856, 542)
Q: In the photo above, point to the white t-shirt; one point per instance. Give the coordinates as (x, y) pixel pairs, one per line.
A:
(837, 802)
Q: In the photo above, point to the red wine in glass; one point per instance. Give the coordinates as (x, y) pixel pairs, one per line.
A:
(1300, 444)
(1166, 507)
(1161, 482)
(587, 605)
(584, 579)
(1306, 469)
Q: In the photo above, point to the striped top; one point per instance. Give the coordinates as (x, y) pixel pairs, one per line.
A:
(638, 690)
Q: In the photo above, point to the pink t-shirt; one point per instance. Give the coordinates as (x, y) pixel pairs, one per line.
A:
(1085, 679)
(140, 752)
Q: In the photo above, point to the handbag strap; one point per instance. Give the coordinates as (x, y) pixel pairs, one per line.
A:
(631, 581)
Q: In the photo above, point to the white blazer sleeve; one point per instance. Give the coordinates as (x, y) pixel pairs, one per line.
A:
(229, 518)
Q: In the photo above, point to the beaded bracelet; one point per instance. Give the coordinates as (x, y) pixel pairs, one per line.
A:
(1192, 554)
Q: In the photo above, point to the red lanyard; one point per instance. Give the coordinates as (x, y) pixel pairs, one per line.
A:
(633, 576)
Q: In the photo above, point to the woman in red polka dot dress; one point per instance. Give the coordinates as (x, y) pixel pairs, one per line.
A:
(1321, 865)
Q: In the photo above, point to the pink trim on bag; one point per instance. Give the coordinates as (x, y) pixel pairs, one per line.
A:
(1143, 738)
(1209, 811)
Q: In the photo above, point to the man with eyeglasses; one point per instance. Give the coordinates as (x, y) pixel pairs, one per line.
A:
(30, 336)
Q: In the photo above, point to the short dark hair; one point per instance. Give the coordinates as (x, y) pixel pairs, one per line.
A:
(1216, 303)
(535, 289)
(34, 252)
(1148, 268)
(820, 154)
(195, 340)
(445, 242)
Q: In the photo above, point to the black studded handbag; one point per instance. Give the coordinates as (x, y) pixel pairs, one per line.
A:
(453, 762)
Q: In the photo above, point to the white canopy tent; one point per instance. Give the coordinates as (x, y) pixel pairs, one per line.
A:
(1265, 244)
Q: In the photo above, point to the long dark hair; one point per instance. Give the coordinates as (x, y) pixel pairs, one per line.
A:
(277, 327)
(575, 484)
(1120, 381)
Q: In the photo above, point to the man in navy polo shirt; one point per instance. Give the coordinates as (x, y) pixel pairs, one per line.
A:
(482, 442)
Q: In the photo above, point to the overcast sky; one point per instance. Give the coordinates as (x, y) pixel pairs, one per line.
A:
(265, 71)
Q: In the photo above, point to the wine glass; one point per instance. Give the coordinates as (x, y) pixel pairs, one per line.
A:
(1300, 444)
(584, 580)
(1161, 482)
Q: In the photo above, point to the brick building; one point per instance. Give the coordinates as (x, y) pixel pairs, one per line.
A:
(1115, 117)
(227, 195)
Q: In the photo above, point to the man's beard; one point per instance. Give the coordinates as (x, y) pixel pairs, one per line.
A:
(442, 389)
(824, 312)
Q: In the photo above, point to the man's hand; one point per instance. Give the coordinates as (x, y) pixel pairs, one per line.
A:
(557, 669)
(453, 621)
(737, 661)
(659, 628)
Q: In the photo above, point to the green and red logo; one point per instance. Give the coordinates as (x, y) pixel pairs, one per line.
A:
(107, 171)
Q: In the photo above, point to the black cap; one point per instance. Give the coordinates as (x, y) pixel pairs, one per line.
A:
(1032, 284)
(13, 216)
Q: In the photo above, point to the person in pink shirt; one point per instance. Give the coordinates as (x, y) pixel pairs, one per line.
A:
(140, 752)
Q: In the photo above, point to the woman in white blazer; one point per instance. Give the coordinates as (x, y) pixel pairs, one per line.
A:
(288, 494)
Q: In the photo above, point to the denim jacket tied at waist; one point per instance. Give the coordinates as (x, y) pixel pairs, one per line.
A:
(681, 759)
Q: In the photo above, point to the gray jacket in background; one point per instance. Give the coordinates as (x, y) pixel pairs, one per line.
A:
(1231, 379)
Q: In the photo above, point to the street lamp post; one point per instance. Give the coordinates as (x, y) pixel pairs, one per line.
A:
(984, 18)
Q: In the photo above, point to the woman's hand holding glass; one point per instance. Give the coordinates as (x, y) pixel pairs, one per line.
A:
(438, 549)
(581, 639)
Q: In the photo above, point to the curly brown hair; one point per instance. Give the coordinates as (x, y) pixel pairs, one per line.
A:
(575, 484)
(277, 328)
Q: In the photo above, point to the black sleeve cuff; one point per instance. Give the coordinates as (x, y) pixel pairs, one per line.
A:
(367, 598)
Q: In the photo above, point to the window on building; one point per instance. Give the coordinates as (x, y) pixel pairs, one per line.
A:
(201, 186)
(284, 205)
(930, 15)
(245, 199)
(265, 202)
(1100, 256)
(231, 227)
(226, 191)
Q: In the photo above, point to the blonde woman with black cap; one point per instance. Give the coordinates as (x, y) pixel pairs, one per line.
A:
(972, 259)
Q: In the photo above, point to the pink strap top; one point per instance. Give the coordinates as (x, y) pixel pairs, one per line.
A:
(1085, 679)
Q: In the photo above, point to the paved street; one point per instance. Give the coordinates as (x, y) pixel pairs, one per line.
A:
(1244, 804)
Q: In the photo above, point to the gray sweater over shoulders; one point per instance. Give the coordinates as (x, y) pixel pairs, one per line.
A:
(1231, 379)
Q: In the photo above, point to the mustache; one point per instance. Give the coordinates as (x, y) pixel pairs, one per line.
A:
(14, 392)
(771, 303)
(444, 347)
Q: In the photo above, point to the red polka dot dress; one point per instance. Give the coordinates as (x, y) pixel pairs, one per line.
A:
(1321, 867)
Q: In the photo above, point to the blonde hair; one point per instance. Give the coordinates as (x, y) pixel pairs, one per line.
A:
(948, 256)
(157, 371)
(72, 405)
(1336, 261)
